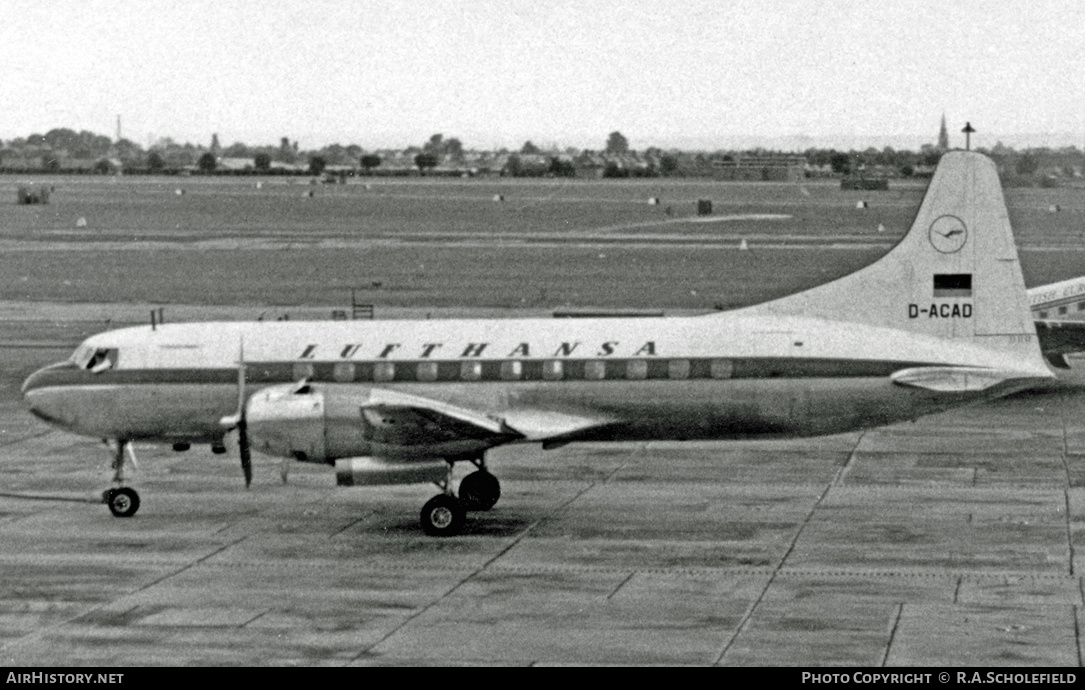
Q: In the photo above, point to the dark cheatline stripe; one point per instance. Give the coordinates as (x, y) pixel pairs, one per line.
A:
(452, 371)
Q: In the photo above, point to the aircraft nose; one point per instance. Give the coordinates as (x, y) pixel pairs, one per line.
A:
(42, 392)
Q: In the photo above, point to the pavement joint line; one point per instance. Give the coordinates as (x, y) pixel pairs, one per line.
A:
(226, 527)
(15, 441)
(620, 585)
(1077, 634)
(486, 564)
(352, 523)
(46, 497)
(1069, 532)
(187, 566)
(474, 572)
(42, 632)
(32, 345)
(1066, 492)
(331, 564)
(892, 635)
(715, 571)
(843, 472)
(776, 570)
(470, 575)
(641, 449)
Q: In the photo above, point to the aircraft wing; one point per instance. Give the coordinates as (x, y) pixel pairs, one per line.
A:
(413, 420)
(410, 420)
(1060, 338)
(546, 425)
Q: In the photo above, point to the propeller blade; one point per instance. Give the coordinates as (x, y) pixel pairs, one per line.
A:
(242, 423)
(244, 452)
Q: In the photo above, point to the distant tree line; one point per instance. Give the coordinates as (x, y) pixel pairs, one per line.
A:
(66, 150)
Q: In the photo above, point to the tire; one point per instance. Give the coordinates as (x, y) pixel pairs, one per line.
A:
(443, 516)
(123, 502)
(479, 490)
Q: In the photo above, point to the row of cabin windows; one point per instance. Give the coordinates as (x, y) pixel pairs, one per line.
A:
(1063, 309)
(515, 370)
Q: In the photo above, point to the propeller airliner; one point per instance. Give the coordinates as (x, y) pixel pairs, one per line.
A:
(941, 320)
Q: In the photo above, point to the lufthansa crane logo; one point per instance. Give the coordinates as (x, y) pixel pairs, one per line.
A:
(948, 234)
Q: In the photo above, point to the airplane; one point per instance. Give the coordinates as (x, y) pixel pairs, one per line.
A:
(1059, 311)
(942, 320)
(1064, 301)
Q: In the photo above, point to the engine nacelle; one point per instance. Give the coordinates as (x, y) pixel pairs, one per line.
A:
(287, 421)
(379, 471)
(322, 423)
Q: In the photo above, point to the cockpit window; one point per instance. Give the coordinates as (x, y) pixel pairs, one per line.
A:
(95, 359)
(81, 356)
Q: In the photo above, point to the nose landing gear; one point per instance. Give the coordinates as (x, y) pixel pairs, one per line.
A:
(123, 501)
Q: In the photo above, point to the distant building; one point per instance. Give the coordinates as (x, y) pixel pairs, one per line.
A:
(943, 135)
(234, 164)
(761, 169)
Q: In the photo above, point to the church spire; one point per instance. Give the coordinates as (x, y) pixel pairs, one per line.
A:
(943, 135)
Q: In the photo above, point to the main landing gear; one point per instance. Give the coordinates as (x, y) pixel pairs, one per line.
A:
(444, 514)
(123, 501)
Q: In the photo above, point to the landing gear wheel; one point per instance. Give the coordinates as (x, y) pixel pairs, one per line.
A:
(122, 502)
(479, 490)
(443, 516)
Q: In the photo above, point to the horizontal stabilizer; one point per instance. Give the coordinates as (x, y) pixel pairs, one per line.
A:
(956, 379)
(1058, 361)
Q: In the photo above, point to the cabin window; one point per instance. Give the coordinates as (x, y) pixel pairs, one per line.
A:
(302, 370)
(678, 369)
(1081, 306)
(511, 371)
(552, 370)
(1062, 310)
(426, 371)
(721, 369)
(343, 371)
(595, 370)
(1043, 315)
(636, 369)
(384, 371)
(470, 371)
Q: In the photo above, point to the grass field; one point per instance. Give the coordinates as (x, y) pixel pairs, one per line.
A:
(434, 243)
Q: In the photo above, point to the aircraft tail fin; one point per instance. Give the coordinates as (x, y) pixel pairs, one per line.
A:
(955, 274)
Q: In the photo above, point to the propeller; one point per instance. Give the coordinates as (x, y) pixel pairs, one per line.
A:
(237, 421)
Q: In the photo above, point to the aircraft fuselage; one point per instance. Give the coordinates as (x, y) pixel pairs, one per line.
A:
(718, 376)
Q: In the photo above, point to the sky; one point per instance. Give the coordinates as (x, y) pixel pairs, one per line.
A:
(493, 73)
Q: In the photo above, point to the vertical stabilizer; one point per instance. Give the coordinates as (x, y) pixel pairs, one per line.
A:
(955, 274)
